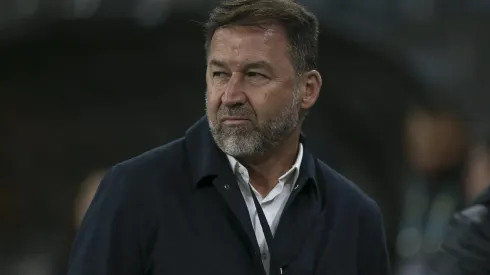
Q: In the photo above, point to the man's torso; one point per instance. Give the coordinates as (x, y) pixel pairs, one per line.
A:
(178, 209)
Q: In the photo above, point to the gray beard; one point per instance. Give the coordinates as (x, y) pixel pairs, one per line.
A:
(251, 139)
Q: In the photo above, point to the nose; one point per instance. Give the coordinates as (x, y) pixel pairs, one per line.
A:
(234, 93)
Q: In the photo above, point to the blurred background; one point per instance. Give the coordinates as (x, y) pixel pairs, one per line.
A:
(88, 83)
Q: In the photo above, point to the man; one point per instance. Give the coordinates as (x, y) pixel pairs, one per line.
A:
(240, 193)
(466, 248)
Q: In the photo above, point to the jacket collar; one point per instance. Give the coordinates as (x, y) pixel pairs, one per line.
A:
(207, 160)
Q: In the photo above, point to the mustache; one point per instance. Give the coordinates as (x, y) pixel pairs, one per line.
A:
(238, 111)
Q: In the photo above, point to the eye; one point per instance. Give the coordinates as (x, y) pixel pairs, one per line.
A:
(255, 75)
(256, 79)
(219, 74)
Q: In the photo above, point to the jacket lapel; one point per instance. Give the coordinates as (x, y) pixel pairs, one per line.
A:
(208, 164)
(301, 215)
(228, 188)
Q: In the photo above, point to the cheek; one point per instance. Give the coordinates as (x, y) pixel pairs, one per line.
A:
(269, 104)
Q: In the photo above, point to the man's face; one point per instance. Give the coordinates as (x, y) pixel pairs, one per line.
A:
(252, 98)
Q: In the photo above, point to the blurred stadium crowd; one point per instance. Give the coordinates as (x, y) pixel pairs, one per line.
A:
(86, 84)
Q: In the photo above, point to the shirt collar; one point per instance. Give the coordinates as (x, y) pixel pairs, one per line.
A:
(294, 170)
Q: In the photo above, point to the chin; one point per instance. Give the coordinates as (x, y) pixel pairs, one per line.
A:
(238, 146)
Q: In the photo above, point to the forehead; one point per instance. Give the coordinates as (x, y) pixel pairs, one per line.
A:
(240, 44)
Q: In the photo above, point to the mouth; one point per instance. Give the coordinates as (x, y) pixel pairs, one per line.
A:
(234, 120)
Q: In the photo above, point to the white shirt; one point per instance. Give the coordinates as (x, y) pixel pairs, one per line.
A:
(272, 204)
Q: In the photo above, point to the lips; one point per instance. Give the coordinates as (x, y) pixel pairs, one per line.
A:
(234, 120)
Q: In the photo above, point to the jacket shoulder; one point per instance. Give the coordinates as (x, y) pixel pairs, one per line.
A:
(125, 211)
(345, 191)
(149, 173)
(160, 160)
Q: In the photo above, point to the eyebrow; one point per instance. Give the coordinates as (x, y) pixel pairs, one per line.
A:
(217, 63)
(258, 65)
(248, 66)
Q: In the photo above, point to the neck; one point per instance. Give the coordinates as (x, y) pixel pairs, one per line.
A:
(266, 169)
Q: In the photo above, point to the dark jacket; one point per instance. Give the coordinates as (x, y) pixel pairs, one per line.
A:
(178, 210)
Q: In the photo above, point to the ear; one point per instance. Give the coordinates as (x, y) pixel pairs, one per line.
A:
(312, 84)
